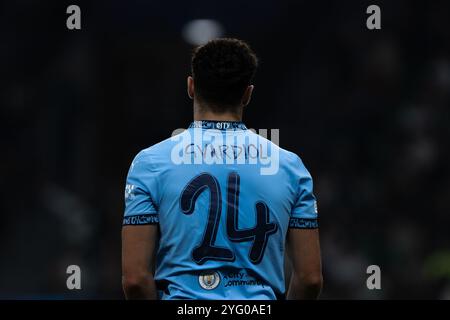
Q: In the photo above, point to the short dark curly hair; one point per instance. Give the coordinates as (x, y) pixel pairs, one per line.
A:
(222, 69)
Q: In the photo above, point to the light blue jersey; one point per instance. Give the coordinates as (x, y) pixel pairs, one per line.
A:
(223, 198)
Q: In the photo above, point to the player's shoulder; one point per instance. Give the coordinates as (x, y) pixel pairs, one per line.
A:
(290, 162)
(156, 152)
(286, 157)
(292, 158)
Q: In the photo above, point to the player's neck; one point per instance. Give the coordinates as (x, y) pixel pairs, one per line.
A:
(200, 114)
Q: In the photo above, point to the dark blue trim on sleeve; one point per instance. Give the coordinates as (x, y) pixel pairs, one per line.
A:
(302, 223)
(141, 219)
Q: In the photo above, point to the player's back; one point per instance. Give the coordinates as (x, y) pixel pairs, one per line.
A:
(224, 199)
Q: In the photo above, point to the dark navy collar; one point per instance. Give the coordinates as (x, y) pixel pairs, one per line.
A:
(219, 125)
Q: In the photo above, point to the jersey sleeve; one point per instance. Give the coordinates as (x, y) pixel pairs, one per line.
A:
(140, 207)
(304, 213)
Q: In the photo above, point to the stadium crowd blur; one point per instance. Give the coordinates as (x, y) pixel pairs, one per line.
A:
(368, 112)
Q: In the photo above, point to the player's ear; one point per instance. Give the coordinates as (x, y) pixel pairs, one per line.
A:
(190, 87)
(247, 95)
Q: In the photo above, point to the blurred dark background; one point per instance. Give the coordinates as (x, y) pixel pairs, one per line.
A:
(368, 112)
